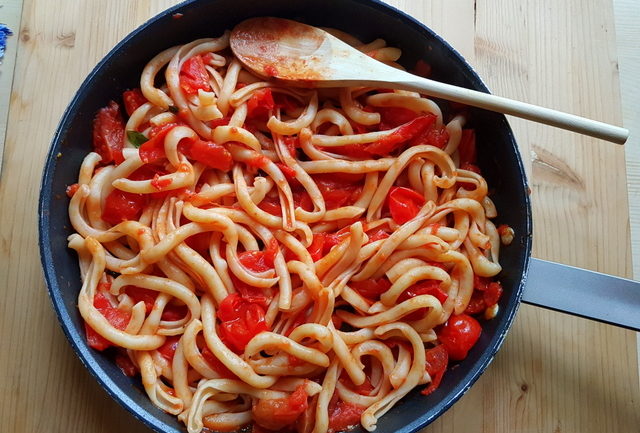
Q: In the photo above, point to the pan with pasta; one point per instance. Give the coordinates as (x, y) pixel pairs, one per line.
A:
(274, 258)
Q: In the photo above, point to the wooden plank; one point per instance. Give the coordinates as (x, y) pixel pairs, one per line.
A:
(553, 374)
(10, 11)
(627, 16)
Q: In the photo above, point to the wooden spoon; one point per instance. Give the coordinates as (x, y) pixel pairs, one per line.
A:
(310, 57)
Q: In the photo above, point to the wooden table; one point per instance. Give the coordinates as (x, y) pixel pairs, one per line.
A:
(554, 374)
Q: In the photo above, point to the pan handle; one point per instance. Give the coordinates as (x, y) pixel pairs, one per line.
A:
(583, 293)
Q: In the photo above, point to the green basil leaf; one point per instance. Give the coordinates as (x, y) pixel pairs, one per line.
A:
(136, 138)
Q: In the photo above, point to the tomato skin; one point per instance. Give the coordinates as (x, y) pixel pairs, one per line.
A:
(241, 321)
(206, 152)
(123, 361)
(378, 235)
(260, 104)
(256, 261)
(395, 116)
(343, 415)
(260, 261)
(437, 359)
(316, 248)
(168, 349)
(216, 364)
(364, 389)
(434, 136)
(404, 204)
(426, 287)
(133, 99)
(121, 206)
(278, 413)
(194, 76)
(72, 189)
(476, 303)
(338, 191)
(153, 149)
(118, 319)
(467, 147)
(493, 293)
(271, 205)
(459, 335)
(404, 133)
(172, 312)
(141, 294)
(371, 289)
(108, 133)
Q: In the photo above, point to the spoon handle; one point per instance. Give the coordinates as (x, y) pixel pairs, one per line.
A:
(500, 104)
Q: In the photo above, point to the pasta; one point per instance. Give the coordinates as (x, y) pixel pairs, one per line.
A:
(280, 257)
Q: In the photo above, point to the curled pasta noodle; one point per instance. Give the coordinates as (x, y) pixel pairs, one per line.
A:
(271, 255)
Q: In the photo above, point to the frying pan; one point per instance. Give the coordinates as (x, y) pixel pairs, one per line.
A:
(498, 155)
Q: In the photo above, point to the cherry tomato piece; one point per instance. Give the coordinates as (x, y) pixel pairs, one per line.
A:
(241, 321)
(278, 413)
(459, 335)
(133, 99)
(493, 293)
(404, 204)
(108, 133)
(437, 359)
(194, 76)
(122, 206)
(371, 289)
(260, 104)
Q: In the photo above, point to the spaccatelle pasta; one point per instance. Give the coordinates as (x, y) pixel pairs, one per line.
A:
(288, 259)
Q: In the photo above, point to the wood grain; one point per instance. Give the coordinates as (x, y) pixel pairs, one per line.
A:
(554, 373)
(10, 12)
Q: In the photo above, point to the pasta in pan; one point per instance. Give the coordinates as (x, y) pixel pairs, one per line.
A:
(283, 258)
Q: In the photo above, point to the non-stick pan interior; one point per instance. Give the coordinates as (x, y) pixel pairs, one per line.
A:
(120, 70)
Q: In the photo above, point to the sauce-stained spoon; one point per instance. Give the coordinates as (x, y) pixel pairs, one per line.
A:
(308, 56)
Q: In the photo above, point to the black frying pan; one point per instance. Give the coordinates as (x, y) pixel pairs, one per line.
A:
(499, 160)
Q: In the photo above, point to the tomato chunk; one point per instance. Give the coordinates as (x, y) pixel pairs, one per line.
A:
(117, 318)
(133, 99)
(123, 361)
(241, 321)
(168, 349)
(493, 293)
(402, 134)
(437, 359)
(260, 104)
(371, 289)
(194, 76)
(338, 191)
(404, 204)
(153, 149)
(122, 206)
(426, 287)
(278, 413)
(343, 415)
(467, 147)
(108, 133)
(206, 152)
(459, 335)
(216, 364)
(141, 294)
(364, 389)
(395, 116)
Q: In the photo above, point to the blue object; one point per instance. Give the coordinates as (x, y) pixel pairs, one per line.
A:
(498, 155)
(5, 32)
